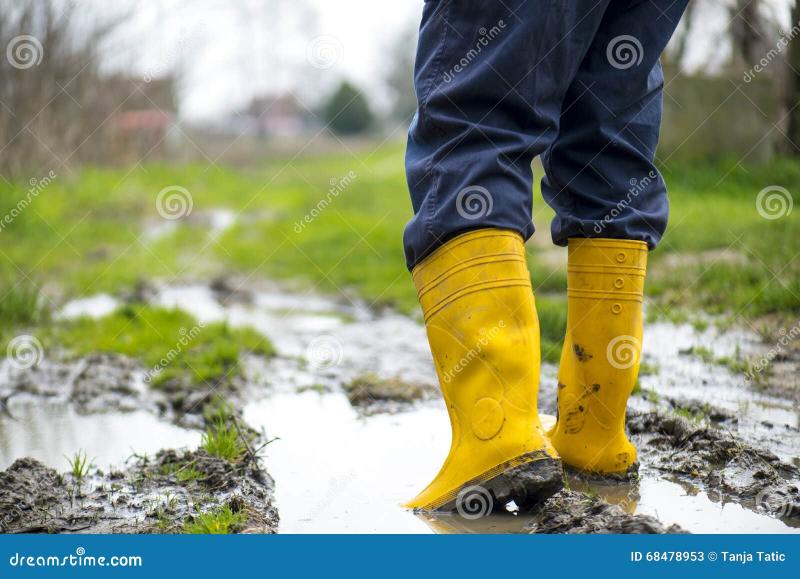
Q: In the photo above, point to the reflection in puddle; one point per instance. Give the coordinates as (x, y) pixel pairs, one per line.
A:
(49, 433)
(696, 512)
(336, 472)
(339, 473)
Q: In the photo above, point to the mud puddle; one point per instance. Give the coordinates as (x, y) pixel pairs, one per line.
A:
(346, 460)
(52, 432)
(338, 471)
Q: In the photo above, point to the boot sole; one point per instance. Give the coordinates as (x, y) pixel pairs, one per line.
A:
(527, 484)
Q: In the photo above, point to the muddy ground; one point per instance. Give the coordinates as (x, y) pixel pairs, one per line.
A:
(359, 426)
(166, 494)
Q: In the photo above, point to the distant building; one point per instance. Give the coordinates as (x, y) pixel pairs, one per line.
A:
(145, 114)
(272, 116)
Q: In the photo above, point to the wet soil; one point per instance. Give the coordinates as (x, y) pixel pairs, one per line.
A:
(159, 495)
(107, 383)
(578, 513)
(360, 429)
(727, 467)
(97, 383)
(372, 394)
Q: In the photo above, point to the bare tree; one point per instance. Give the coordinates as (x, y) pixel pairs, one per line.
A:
(681, 44)
(50, 89)
(748, 32)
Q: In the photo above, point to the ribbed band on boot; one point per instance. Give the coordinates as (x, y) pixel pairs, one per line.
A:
(606, 269)
(482, 259)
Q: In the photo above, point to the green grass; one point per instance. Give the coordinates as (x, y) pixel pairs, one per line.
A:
(552, 323)
(21, 303)
(222, 439)
(79, 465)
(82, 234)
(188, 474)
(219, 521)
(171, 343)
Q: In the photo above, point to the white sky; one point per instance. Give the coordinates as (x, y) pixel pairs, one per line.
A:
(231, 50)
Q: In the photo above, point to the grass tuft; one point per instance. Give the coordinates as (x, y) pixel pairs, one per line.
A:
(220, 521)
(79, 465)
(222, 439)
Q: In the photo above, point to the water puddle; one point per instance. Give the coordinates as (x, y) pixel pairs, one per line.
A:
(337, 470)
(216, 221)
(760, 418)
(95, 306)
(683, 375)
(51, 432)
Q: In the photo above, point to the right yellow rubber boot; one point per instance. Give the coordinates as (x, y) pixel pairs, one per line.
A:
(481, 321)
(602, 349)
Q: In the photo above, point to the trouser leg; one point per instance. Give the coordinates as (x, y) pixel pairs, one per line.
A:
(600, 176)
(490, 79)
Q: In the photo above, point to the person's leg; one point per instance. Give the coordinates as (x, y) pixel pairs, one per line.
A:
(600, 176)
(490, 78)
(610, 204)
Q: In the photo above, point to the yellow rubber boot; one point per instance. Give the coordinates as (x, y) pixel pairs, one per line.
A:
(602, 349)
(480, 316)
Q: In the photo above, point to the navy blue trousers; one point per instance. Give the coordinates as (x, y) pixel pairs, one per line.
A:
(576, 82)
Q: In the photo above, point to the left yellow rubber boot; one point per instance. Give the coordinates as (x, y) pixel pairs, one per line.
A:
(481, 321)
(602, 349)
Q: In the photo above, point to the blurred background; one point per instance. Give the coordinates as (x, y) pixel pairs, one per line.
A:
(172, 79)
(269, 109)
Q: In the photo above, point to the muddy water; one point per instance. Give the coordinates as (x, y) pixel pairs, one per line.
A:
(51, 432)
(337, 470)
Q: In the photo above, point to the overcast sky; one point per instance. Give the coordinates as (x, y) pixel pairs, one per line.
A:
(230, 50)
